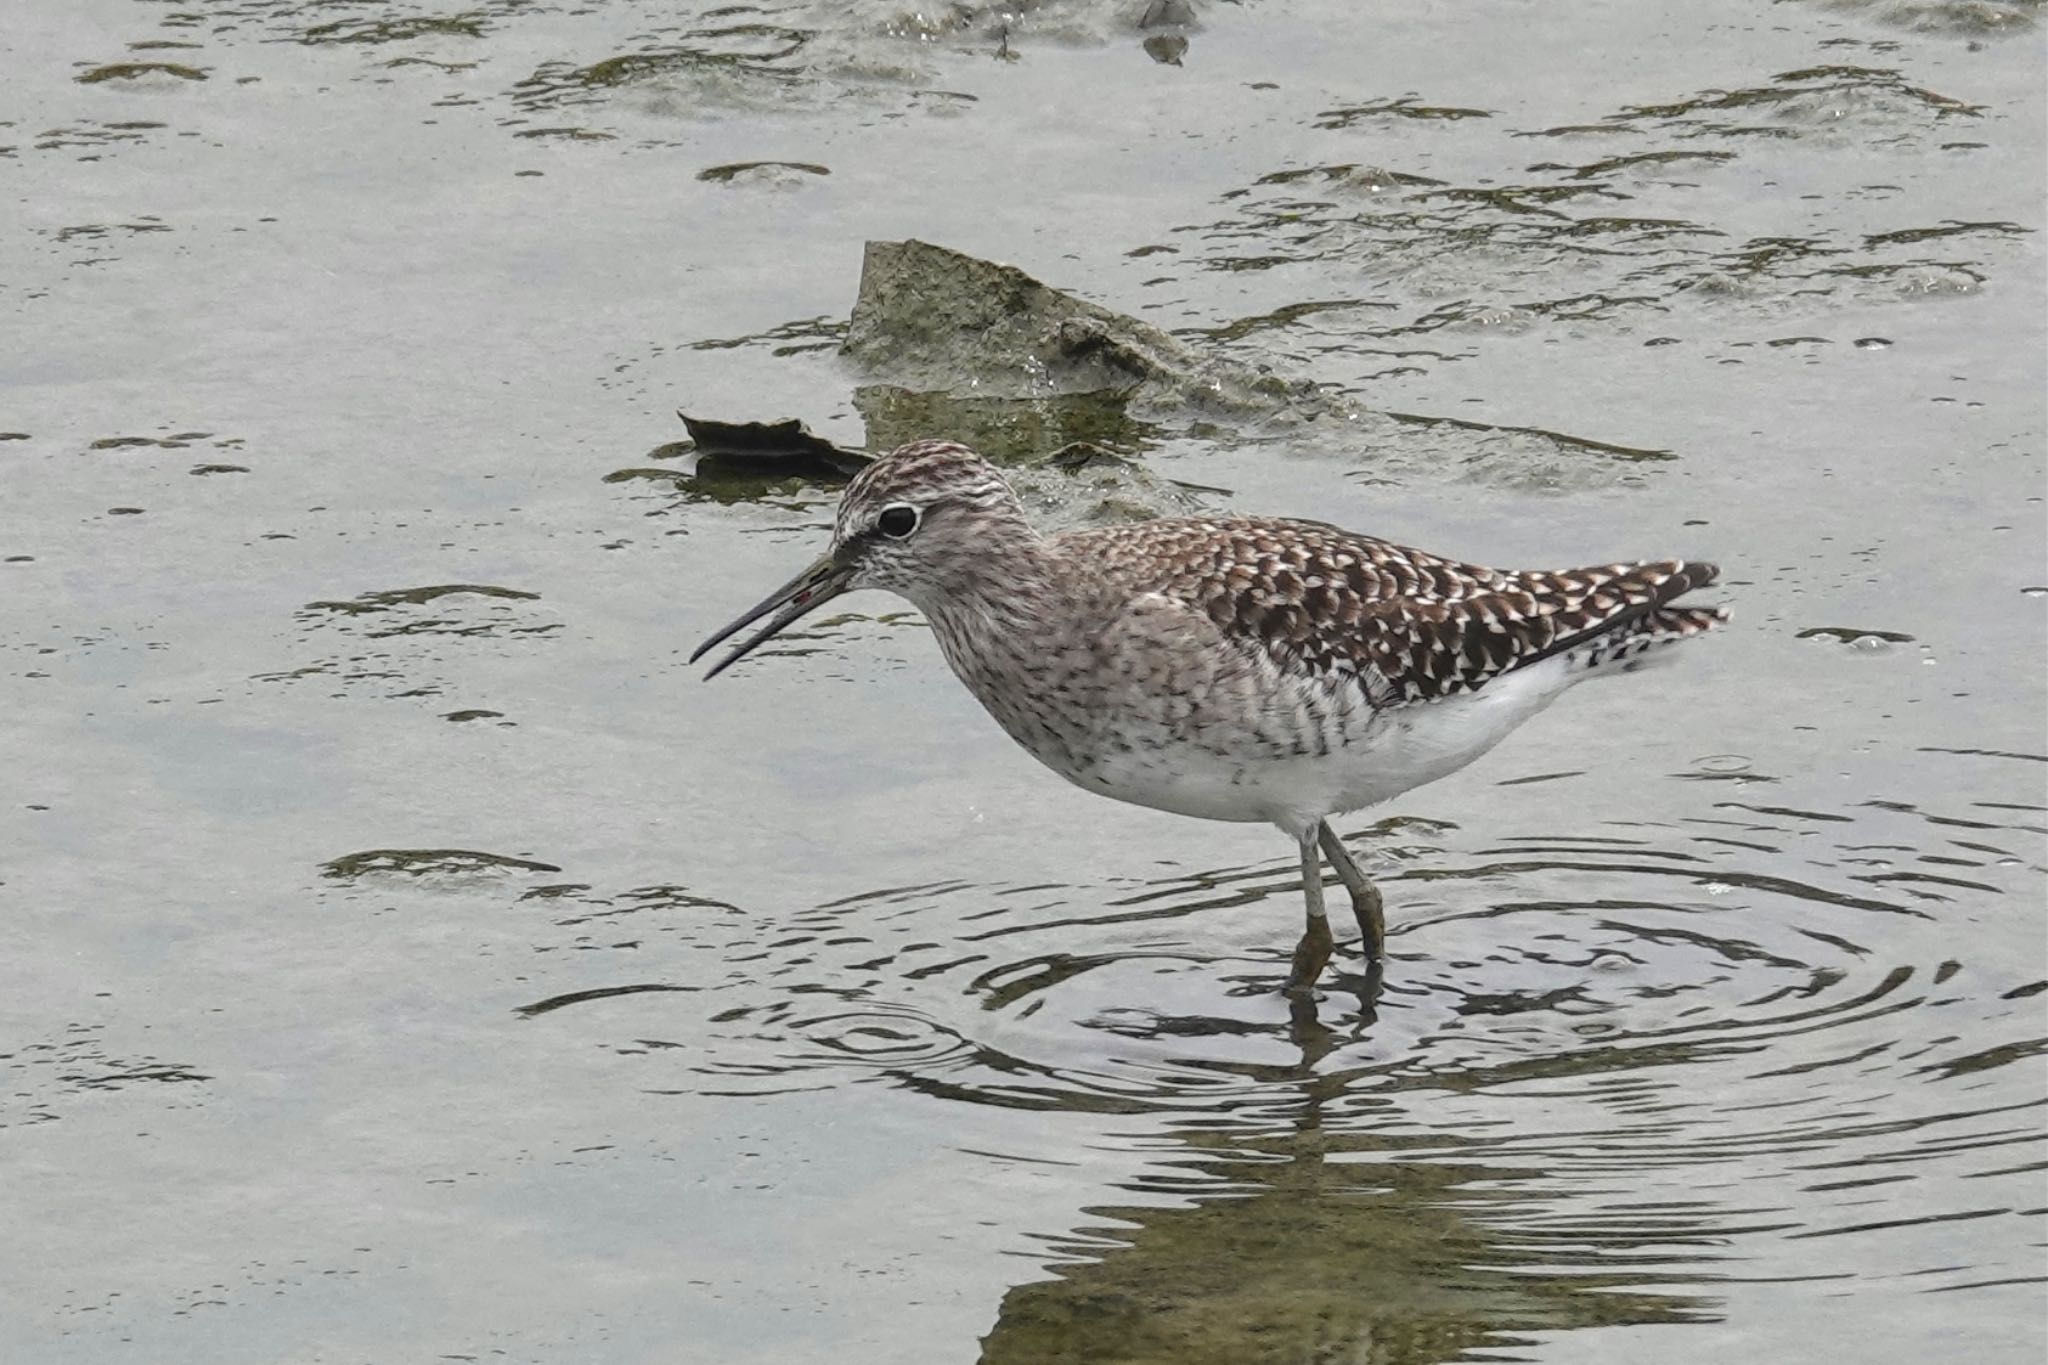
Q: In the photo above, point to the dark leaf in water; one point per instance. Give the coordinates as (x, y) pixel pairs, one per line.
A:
(783, 449)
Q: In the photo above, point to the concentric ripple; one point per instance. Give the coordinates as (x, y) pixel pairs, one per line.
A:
(1596, 964)
(1765, 997)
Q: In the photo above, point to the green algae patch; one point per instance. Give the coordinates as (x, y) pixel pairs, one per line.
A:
(419, 862)
(388, 598)
(1407, 107)
(129, 71)
(757, 170)
(177, 442)
(567, 134)
(395, 30)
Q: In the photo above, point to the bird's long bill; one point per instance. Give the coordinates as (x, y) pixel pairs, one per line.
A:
(820, 583)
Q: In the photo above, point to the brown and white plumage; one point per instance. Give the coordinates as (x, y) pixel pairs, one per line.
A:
(1415, 626)
(1233, 669)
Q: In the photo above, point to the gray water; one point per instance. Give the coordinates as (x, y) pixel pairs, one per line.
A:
(394, 974)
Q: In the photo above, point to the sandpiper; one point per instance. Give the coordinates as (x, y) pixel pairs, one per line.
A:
(1250, 669)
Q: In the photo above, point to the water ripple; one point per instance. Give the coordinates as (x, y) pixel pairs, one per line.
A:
(1767, 1006)
(1553, 960)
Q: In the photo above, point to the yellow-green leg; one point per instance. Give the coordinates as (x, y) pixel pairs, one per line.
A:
(1312, 954)
(1365, 897)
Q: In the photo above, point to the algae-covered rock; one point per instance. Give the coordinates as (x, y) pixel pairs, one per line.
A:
(930, 319)
(982, 353)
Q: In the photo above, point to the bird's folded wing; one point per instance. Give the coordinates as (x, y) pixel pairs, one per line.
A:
(1406, 625)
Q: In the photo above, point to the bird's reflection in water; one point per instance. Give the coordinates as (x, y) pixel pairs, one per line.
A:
(1317, 1245)
(1318, 1040)
(1612, 1076)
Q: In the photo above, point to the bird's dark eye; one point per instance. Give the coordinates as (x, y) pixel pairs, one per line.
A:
(897, 522)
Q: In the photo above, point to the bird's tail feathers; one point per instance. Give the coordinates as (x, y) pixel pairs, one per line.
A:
(1644, 641)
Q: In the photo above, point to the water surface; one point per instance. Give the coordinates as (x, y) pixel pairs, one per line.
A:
(406, 957)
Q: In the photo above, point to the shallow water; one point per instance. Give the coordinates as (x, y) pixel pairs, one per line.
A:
(405, 956)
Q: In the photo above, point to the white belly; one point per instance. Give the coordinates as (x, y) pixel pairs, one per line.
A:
(1391, 753)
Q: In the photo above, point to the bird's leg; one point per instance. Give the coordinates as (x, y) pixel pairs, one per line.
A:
(1365, 897)
(1312, 954)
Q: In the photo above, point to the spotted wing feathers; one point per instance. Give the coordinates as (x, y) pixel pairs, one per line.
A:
(1429, 649)
(1406, 625)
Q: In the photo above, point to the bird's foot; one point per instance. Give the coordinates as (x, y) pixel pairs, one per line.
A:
(1371, 914)
(1369, 990)
(1311, 955)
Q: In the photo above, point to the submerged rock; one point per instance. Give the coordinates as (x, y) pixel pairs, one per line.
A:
(931, 319)
(984, 353)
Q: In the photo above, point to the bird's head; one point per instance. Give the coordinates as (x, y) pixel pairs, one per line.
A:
(921, 521)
